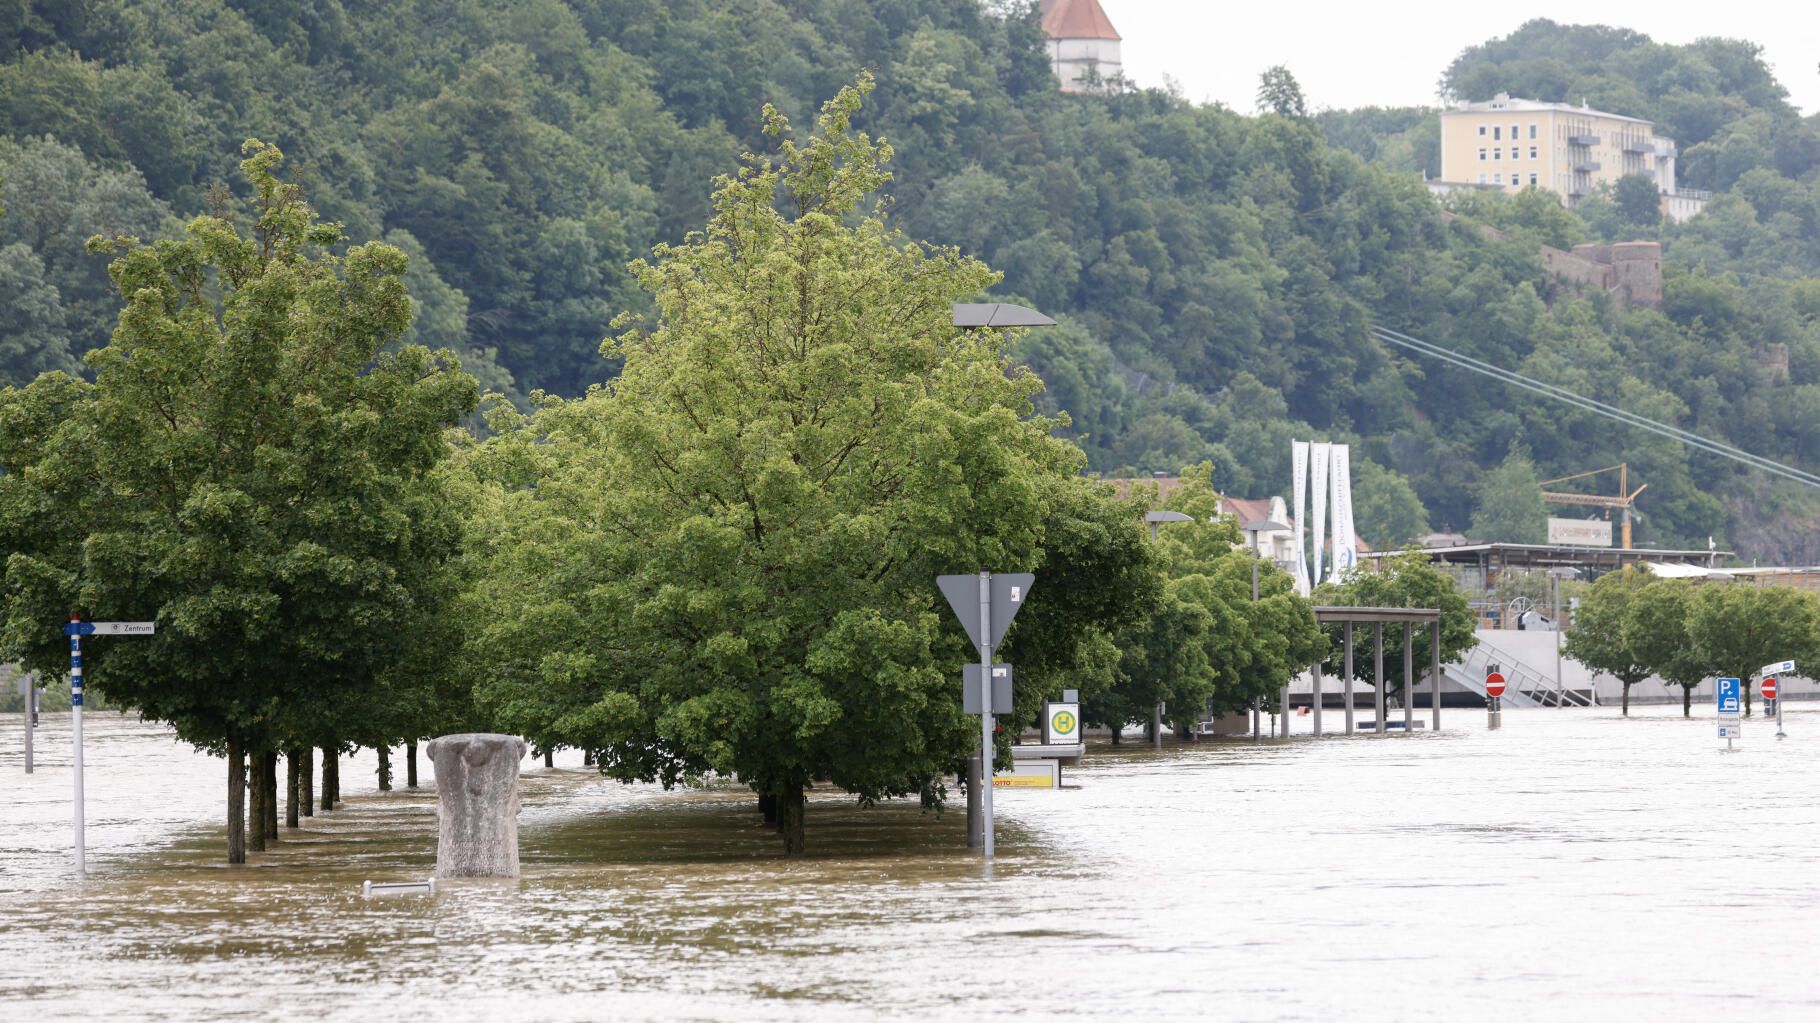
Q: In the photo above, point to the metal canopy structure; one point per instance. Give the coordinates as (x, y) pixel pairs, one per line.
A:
(1378, 617)
(998, 314)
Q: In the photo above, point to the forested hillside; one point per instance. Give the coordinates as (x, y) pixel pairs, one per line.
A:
(1215, 271)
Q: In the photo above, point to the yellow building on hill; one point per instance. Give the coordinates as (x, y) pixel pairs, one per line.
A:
(1511, 143)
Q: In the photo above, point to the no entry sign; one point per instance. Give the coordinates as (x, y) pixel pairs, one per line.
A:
(1494, 684)
(1769, 687)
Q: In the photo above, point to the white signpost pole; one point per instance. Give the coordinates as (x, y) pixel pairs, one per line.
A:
(76, 733)
(75, 630)
(986, 744)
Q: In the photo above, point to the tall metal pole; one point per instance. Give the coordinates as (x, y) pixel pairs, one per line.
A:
(1434, 673)
(76, 731)
(1409, 683)
(1257, 708)
(986, 713)
(1555, 597)
(1349, 677)
(1317, 696)
(1377, 654)
(1156, 712)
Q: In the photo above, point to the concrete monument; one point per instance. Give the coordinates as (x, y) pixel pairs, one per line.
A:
(476, 804)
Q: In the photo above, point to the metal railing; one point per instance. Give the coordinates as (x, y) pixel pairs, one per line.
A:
(1525, 685)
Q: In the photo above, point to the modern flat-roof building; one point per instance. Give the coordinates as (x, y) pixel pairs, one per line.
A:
(1512, 143)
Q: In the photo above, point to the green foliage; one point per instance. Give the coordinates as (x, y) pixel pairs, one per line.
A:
(1597, 638)
(250, 469)
(1215, 273)
(724, 562)
(1386, 511)
(1511, 509)
(1737, 629)
(1406, 580)
(1209, 648)
(1637, 200)
(1279, 93)
(1655, 629)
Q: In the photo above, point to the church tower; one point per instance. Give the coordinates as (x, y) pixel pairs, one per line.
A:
(1080, 37)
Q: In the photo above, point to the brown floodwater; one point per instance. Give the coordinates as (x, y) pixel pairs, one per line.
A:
(1571, 866)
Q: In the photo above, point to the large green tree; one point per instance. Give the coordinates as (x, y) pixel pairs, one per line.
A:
(1737, 629)
(725, 561)
(1655, 628)
(1598, 639)
(251, 469)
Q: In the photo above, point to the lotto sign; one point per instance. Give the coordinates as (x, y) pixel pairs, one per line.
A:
(1062, 724)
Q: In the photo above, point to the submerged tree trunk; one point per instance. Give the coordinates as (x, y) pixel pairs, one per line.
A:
(236, 802)
(255, 817)
(767, 807)
(385, 768)
(790, 804)
(1117, 735)
(292, 787)
(410, 764)
(271, 795)
(587, 758)
(329, 766)
(549, 758)
(1687, 701)
(1626, 700)
(306, 779)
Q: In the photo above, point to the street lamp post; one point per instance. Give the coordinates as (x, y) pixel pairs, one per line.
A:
(1253, 529)
(1155, 519)
(987, 316)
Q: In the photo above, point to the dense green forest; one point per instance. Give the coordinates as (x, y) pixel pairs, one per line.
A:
(1215, 270)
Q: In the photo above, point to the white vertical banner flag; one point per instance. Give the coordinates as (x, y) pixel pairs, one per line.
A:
(1320, 459)
(1345, 538)
(1299, 462)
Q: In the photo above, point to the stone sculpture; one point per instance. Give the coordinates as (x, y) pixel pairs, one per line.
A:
(476, 804)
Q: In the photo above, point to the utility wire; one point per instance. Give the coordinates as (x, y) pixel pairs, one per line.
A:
(1600, 408)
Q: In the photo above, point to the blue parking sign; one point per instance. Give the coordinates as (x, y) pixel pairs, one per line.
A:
(1730, 694)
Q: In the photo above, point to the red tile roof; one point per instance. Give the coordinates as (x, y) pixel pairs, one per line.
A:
(1077, 19)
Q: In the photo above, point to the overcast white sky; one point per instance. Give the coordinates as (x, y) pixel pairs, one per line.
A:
(1392, 54)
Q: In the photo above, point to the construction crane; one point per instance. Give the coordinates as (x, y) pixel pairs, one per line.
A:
(1623, 500)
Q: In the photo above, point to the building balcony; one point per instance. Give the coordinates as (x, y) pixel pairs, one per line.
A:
(1641, 148)
(1586, 167)
(1582, 140)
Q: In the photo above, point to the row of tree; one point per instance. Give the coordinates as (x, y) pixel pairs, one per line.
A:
(721, 563)
(1633, 626)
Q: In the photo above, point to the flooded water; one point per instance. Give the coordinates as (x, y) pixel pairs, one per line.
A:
(1571, 866)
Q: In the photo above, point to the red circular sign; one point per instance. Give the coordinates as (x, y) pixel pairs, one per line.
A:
(1769, 688)
(1494, 684)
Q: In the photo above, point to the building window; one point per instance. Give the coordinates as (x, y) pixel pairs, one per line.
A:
(1532, 179)
(1513, 132)
(1481, 179)
(1481, 154)
(1481, 129)
(1532, 131)
(1532, 152)
(1497, 154)
(1497, 179)
(1497, 132)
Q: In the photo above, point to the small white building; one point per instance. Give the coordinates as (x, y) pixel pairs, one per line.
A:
(1082, 41)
